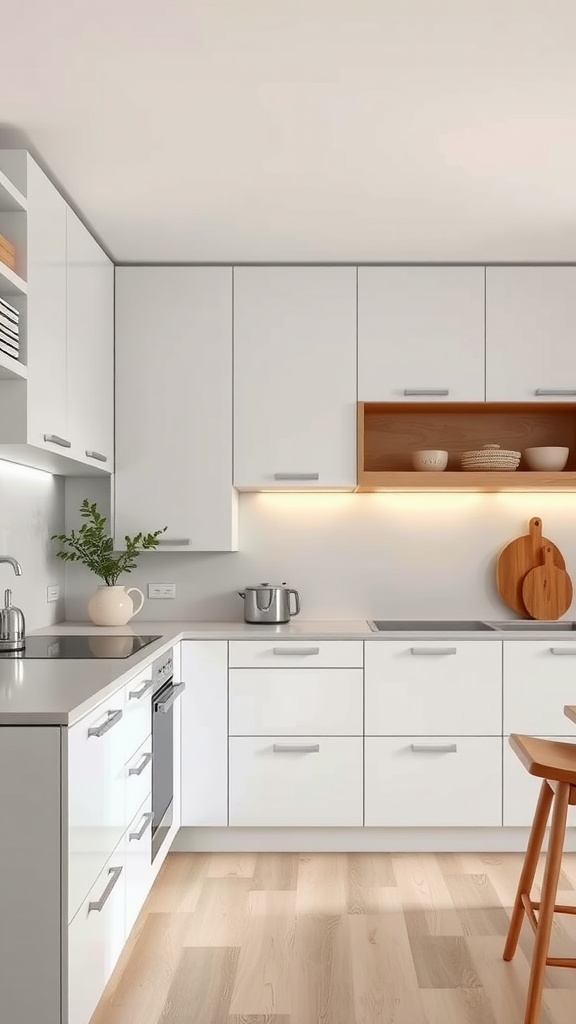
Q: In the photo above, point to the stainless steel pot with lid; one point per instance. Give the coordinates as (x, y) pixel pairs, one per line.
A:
(269, 603)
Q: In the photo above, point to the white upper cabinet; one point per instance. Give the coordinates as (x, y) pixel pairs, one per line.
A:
(90, 345)
(421, 334)
(294, 377)
(530, 334)
(174, 406)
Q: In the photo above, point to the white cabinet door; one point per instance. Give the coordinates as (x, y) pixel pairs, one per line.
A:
(521, 789)
(138, 861)
(204, 730)
(95, 939)
(421, 334)
(437, 687)
(138, 779)
(326, 701)
(539, 679)
(174, 406)
(47, 375)
(433, 781)
(294, 377)
(90, 347)
(280, 653)
(305, 781)
(530, 330)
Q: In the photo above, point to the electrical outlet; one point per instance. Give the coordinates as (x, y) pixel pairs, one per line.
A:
(52, 593)
(162, 590)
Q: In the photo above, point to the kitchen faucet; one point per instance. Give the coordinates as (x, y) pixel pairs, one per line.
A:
(12, 561)
(12, 625)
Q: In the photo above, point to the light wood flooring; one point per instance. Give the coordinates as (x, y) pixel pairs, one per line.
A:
(335, 939)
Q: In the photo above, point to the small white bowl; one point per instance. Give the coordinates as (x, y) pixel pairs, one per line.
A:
(548, 459)
(430, 461)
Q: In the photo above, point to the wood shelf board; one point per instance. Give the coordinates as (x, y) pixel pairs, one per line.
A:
(11, 369)
(462, 481)
(11, 199)
(11, 283)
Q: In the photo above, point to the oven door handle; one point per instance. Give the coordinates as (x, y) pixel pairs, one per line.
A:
(172, 695)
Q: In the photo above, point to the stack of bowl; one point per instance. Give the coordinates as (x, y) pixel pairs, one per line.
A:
(490, 459)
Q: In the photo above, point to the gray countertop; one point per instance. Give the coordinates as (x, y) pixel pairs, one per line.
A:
(55, 692)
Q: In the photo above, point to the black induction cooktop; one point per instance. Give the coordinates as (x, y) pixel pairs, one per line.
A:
(99, 645)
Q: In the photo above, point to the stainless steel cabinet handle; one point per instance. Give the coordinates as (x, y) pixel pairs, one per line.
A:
(164, 705)
(112, 719)
(296, 748)
(296, 476)
(180, 542)
(96, 455)
(98, 905)
(146, 758)
(147, 820)
(563, 650)
(54, 439)
(426, 391)
(299, 652)
(434, 748)
(138, 694)
(433, 650)
(555, 391)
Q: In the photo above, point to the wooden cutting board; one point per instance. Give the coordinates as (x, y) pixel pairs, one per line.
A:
(517, 559)
(547, 590)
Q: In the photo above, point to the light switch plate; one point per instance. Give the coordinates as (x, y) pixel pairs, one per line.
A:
(162, 590)
(52, 593)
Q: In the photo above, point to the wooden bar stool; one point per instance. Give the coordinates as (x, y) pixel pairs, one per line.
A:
(555, 763)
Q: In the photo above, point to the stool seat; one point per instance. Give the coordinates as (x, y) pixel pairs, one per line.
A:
(547, 759)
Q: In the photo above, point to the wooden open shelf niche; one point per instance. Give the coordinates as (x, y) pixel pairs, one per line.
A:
(388, 433)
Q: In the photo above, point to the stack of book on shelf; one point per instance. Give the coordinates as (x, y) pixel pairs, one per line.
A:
(9, 336)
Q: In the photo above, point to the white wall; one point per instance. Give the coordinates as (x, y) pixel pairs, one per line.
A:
(31, 510)
(354, 555)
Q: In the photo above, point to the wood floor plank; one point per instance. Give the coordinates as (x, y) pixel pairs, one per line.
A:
(323, 990)
(275, 871)
(443, 961)
(505, 982)
(265, 976)
(231, 865)
(202, 987)
(179, 883)
(426, 901)
(220, 916)
(367, 871)
(457, 1006)
(322, 884)
(258, 1018)
(477, 904)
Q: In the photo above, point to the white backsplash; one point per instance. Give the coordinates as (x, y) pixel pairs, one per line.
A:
(353, 556)
(31, 510)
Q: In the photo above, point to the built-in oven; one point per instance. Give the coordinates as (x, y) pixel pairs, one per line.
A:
(165, 692)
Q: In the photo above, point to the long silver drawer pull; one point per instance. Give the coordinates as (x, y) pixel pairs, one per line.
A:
(434, 748)
(432, 650)
(146, 758)
(296, 476)
(180, 542)
(98, 905)
(96, 455)
(147, 820)
(562, 650)
(296, 748)
(299, 652)
(138, 694)
(555, 391)
(426, 391)
(112, 719)
(54, 439)
(164, 705)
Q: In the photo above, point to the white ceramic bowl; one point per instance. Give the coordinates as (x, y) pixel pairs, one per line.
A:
(548, 459)
(431, 460)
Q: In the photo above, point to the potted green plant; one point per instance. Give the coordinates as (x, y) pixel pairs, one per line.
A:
(111, 605)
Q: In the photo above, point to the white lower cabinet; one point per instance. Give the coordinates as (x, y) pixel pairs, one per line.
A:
(204, 710)
(95, 939)
(539, 679)
(138, 778)
(138, 861)
(286, 702)
(521, 789)
(296, 781)
(433, 781)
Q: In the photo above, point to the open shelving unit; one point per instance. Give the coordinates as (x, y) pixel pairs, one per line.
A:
(388, 433)
(13, 286)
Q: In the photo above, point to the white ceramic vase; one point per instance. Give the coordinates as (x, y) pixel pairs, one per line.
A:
(112, 606)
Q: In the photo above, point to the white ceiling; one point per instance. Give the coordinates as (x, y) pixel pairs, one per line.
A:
(321, 130)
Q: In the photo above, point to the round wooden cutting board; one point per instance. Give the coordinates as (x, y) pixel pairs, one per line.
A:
(547, 590)
(516, 561)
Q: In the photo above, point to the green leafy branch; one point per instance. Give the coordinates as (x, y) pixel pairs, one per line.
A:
(92, 546)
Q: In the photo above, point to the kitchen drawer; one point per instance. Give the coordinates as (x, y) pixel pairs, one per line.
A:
(426, 687)
(433, 781)
(138, 861)
(138, 776)
(289, 702)
(138, 710)
(293, 787)
(521, 789)
(280, 653)
(96, 794)
(95, 939)
(537, 685)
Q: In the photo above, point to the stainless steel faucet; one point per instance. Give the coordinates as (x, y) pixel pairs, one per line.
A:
(12, 561)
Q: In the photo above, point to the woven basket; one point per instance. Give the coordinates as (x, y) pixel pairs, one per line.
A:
(490, 458)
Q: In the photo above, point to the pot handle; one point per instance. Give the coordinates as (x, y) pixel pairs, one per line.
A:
(297, 602)
(241, 593)
(134, 590)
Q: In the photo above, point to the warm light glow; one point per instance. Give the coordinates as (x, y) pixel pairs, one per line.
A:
(15, 471)
(315, 502)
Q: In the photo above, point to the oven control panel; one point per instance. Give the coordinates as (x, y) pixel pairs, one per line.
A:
(162, 669)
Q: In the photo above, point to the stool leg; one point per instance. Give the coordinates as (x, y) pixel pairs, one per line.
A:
(547, 901)
(529, 867)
